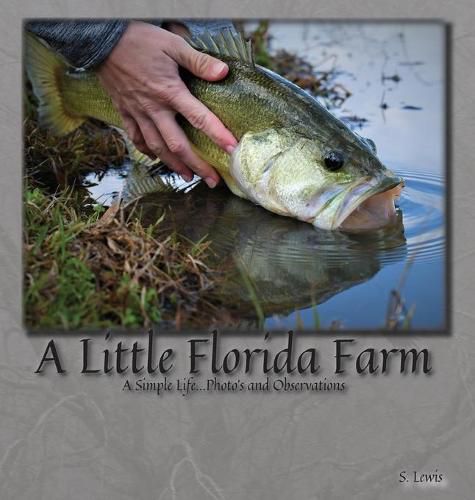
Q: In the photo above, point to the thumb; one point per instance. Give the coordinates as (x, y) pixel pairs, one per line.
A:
(201, 65)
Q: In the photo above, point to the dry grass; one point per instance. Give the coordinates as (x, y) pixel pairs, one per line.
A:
(64, 161)
(98, 270)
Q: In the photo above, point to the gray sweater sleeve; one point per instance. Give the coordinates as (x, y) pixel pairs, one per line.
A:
(87, 43)
(197, 26)
(84, 43)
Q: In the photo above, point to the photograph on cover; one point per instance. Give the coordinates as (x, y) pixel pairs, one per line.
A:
(239, 175)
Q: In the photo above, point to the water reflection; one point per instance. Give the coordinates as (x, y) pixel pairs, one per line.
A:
(273, 264)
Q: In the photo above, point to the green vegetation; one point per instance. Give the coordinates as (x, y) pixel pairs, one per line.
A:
(87, 267)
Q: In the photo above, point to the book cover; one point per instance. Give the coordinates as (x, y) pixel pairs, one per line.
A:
(236, 252)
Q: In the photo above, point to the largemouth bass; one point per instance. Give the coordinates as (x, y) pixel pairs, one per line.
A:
(294, 157)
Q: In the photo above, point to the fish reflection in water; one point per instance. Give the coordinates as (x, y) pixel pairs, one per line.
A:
(274, 265)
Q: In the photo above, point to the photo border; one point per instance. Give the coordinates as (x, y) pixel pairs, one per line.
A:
(445, 330)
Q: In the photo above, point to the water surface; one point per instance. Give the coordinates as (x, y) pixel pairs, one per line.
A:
(285, 274)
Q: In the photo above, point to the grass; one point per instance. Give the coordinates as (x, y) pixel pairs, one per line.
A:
(251, 291)
(65, 161)
(105, 269)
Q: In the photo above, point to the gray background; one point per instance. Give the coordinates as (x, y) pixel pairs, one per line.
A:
(78, 437)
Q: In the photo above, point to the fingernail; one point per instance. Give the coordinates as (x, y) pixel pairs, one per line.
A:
(187, 177)
(229, 149)
(219, 69)
(211, 182)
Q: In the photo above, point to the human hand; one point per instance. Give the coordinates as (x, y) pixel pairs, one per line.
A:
(141, 75)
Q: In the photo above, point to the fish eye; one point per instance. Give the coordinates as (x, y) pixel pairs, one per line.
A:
(334, 160)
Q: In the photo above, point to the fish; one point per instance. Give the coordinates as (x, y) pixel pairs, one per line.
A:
(294, 157)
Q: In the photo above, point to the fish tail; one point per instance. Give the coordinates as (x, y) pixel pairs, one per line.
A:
(47, 71)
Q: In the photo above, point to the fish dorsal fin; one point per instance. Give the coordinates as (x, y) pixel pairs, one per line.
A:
(224, 44)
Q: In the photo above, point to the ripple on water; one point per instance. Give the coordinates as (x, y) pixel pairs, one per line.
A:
(423, 205)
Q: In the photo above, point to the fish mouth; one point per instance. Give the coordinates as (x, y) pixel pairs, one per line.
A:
(367, 204)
